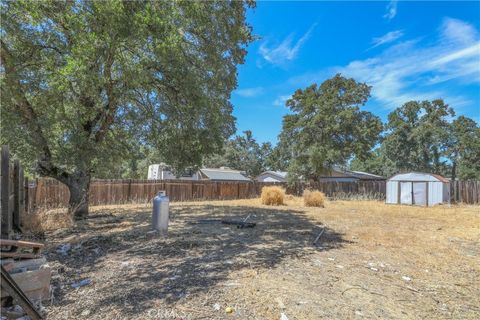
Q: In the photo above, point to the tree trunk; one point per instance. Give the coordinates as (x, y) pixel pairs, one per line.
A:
(79, 186)
(454, 170)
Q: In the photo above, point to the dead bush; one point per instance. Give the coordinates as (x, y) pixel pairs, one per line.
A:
(313, 198)
(47, 220)
(273, 195)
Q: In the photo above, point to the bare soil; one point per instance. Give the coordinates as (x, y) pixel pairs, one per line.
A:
(372, 261)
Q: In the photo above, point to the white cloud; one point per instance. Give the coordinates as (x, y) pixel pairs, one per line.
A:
(249, 92)
(413, 70)
(281, 100)
(458, 31)
(287, 50)
(391, 10)
(387, 38)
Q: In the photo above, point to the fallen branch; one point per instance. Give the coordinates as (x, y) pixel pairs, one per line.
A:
(318, 237)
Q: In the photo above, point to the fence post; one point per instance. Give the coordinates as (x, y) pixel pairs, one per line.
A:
(129, 190)
(6, 226)
(26, 199)
(16, 194)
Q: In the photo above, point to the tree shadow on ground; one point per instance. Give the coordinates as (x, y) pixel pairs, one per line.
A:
(132, 269)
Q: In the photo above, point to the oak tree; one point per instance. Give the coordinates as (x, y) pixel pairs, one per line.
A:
(327, 127)
(79, 77)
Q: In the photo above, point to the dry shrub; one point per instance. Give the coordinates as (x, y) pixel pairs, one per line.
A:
(273, 195)
(313, 198)
(47, 220)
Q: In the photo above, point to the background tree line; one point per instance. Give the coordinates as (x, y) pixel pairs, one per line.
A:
(326, 128)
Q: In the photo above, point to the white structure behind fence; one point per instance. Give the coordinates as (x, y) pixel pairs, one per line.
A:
(417, 188)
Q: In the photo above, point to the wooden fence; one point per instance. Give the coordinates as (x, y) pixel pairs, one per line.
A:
(49, 193)
(14, 194)
(465, 191)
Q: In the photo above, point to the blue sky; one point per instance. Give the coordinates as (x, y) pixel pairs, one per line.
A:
(404, 50)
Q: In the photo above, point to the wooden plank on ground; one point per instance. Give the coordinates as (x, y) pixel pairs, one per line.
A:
(21, 244)
(10, 287)
(35, 284)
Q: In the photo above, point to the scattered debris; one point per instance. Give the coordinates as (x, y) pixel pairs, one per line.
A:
(228, 310)
(63, 249)
(81, 283)
(406, 278)
(240, 224)
(283, 316)
(216, 307)
(10, 287)
(86, 313)
(318, 237)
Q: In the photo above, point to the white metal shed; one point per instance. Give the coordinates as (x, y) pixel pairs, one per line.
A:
(416, 188)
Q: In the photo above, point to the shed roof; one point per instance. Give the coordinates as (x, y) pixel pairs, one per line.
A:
(224, 174)
(417, 176)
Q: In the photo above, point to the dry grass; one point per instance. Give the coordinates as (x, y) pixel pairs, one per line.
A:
(313, 198)
(273, 195)
(374, 261)
(48, 220)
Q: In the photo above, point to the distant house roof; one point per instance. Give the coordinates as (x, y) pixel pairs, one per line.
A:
(223, 174)
(360, 175)
(365, 175)
(280, 174)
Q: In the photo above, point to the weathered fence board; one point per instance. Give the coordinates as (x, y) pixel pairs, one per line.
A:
(465, 191)
(13, 194)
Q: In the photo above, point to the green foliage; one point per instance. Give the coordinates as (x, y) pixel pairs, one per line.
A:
(463, 148)
(82, 77)
(327, 127)
(416, 136)
(86, 83)
(242, 153)
(376, 163)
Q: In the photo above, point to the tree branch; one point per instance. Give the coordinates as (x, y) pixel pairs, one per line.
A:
(30, 118)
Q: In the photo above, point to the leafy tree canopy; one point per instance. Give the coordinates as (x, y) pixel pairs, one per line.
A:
(416, 136)
(376, 163)
(463, 149)
(327, 127)
(242, 153)
(81, 77)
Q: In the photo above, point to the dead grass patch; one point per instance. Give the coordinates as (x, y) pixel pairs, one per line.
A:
(314, 198)
(374, 261)
(273, 195)
(48, 220)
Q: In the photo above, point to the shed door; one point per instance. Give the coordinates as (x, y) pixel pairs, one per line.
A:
(405, 192)
(420, 193)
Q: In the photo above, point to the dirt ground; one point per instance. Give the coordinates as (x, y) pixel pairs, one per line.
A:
(373, 261)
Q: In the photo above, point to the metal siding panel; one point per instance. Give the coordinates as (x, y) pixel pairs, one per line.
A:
(392, 192)
(406, 192)
(435, 191)
(419, 193)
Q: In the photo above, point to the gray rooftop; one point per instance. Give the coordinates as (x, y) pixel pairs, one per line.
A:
(224, 174)
(281, 174)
